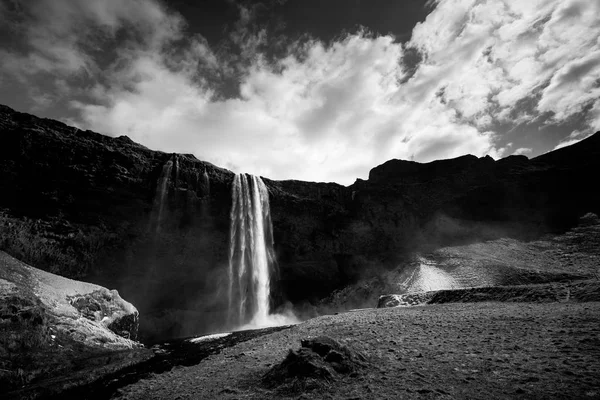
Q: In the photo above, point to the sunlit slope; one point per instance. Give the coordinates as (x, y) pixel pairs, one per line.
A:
(572, 256)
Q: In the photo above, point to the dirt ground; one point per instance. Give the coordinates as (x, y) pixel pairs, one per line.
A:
(460, 350)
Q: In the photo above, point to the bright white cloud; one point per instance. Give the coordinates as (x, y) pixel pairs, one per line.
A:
(522, 151)
(331, 113)
(594, 117)
(494, 54)
(327, 112)
(575, 137)
(573, 86)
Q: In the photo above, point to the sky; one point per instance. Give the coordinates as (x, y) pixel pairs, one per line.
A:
(306, 89)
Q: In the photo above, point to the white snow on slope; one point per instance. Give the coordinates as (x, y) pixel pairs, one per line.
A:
(427, 277)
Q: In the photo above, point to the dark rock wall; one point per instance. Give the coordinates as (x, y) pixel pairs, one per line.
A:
(84, 205)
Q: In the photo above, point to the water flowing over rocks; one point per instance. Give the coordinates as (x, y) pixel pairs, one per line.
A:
(158, 208)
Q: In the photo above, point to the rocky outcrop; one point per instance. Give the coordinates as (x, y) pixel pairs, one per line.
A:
(49, 323)
(156, 226)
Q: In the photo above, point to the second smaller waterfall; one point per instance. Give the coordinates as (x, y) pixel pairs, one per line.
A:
(161, 195)
(206, 183)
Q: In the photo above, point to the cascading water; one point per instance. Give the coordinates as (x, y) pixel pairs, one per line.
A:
(176, 169)
(161, 194)
(206, 183)
(251, 255)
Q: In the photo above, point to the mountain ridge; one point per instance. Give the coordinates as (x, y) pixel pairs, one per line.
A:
(85, 206)
(411, 165)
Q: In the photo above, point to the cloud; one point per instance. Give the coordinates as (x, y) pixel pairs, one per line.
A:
(573, 86)
(65, 38)
(594, 117)
(319, 111)
(522, 151)
(575, 137)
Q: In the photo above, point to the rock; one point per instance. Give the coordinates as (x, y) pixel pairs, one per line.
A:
(68, 305)
(589, 219)
(48, 322)
(110, 309)
(389, 300)
(321, 359)
(403, 300)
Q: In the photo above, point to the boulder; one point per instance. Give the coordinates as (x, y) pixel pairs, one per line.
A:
(402, 300)
(389, 300)
(48, 324)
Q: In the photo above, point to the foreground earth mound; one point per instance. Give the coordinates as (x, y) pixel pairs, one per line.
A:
(53, 327)
(460, 350)
(318, 359)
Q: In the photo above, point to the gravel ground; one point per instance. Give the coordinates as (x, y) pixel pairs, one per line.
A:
(476, 350)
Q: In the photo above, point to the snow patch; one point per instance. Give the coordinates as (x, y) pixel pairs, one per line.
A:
(428, 277)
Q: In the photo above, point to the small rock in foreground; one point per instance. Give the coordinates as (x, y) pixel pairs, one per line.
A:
(318, 361)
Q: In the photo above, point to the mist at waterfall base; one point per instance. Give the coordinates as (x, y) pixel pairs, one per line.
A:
(252, 262)
(179, 273)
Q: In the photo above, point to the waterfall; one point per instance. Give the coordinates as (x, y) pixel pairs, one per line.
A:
(251, 255)
(176, 169)
(161, 193)
(206, 183)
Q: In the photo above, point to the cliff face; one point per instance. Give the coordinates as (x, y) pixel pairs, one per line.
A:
(87, 206)
(156, 226)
